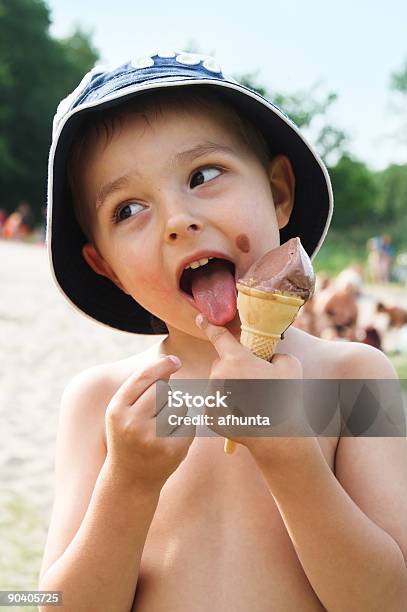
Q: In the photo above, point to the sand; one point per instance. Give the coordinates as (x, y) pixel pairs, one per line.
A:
(44, 343)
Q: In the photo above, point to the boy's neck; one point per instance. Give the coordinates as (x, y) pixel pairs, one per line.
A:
(196, 355)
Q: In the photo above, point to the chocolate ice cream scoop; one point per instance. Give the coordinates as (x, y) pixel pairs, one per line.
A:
(285, 269)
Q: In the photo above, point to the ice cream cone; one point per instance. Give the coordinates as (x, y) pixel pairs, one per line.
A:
(264, 317)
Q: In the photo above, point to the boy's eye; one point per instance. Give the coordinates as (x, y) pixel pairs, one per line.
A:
(123, 212)
(204, 175)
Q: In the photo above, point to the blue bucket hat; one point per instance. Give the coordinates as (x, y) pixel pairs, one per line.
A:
(96, 296)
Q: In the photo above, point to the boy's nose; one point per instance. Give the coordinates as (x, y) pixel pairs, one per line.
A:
(181, 225)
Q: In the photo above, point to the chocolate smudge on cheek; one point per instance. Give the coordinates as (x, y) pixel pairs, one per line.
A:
(242, 242)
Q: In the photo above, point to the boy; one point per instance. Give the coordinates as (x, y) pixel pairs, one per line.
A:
(168, 163)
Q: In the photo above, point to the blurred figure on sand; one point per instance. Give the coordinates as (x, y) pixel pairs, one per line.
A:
(343, 309)
(397, 316)
(18, 225)
(332, 312)
(352, 277)
(387, 257)
(380, 258)
(373, 259)
(336, 311)
(371, 336)
(3, 216)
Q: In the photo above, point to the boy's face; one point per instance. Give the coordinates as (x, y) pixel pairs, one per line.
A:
(217, 197)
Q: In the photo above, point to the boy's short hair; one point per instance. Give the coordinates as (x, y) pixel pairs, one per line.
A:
(103, 123)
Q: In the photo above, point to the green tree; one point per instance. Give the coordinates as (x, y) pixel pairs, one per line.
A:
(354, 185)
(303, 107)
(36, 72)
(398, 80)
(355, 192)
(392, 192)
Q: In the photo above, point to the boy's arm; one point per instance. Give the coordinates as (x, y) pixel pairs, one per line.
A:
(99, 521)
(349, 532)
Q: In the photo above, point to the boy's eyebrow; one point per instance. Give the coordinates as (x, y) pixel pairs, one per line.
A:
(197, 151)
(201, 149)
(110, 187)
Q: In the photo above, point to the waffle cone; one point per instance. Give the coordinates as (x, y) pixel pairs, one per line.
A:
(264, 318)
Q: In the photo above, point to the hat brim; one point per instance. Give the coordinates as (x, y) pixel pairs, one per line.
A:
(98, 297)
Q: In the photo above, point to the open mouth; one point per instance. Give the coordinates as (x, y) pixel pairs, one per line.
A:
(189, 274)
(211, 289)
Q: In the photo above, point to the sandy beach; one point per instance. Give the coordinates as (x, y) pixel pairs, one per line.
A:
(44, 343)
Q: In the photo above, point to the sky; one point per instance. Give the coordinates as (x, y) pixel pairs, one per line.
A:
(350, 47)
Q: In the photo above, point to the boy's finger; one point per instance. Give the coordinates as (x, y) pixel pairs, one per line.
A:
(221, 338)
(140, 381)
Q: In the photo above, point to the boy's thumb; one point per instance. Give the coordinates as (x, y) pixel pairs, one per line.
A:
(175, 360)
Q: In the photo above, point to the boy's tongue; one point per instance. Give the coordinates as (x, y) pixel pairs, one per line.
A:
(214, 291)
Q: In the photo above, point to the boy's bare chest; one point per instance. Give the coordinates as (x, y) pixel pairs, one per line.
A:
(218, 541)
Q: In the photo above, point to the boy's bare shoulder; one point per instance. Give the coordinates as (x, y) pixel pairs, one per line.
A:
(358, 360)
(342, 359)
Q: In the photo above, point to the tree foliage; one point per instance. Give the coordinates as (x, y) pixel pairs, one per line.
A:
(355, 192)
(303, 108)
(360, 194)
(398, 80)
(36, 72)
(392, 192)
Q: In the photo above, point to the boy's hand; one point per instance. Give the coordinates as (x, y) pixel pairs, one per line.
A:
(133, 448)
(237, 362)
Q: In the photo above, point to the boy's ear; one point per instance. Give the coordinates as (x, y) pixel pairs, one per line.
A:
(94, 260)
(282, 182)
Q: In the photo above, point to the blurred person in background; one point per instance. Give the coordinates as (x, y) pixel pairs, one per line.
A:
(353, 275)
(335, 307)
(397, 316)
(3, 215)
(372, 337)
(374, 260)
(386, 258)
(336, 311)
(18, 224)
(306, 317)
(332, 313)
